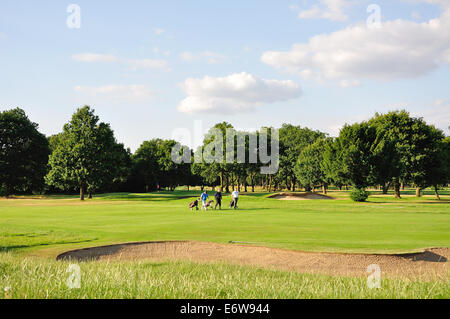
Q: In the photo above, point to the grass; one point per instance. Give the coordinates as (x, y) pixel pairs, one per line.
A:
(33, 230)
(44, 278)
(382, 225)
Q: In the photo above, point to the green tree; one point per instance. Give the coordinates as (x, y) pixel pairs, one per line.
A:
(86, 155)
(405, 149)
(308, 168)
(24, 153)
(293, 139)
(331, 163)
(356, 157)
(211, 170)
(439, 174)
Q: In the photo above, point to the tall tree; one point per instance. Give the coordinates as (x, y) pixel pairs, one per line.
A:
(293, 139)
(331, 163)
(308, 168)
(405, 150)
(24, 153)
(439, 173)
(356, 142)
(87, 156)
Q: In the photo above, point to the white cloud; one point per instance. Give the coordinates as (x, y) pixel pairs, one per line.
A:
(93, 57)
(116, 93)
(208, 56)
(133, 64)
(399, 49)
(234, 93)
(328, 9)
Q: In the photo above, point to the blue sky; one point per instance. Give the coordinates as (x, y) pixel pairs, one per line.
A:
(150, 67)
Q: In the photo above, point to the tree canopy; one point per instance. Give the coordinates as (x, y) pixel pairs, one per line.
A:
(24, 153)
(86, 155)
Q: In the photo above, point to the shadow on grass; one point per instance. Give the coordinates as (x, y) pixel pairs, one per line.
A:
(394, 201)
(25, 246)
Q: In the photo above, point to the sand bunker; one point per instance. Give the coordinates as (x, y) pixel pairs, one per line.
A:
(429, 264)
(299, 196)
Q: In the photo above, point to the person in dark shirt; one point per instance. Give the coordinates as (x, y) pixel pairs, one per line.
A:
(218, 197)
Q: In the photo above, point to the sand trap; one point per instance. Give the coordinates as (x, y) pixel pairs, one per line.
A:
(429, 264)
(299, 196)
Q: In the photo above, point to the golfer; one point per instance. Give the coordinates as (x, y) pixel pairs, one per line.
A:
(235, 196)
(218, 197)
(204, 197)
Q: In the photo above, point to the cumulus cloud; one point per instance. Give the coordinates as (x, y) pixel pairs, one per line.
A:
(399, 49)
(326, 9)
(234, 93)
(208, 56)
(116, 93)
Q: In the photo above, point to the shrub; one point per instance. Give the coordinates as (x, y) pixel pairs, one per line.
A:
(359, 195)
(2, 190)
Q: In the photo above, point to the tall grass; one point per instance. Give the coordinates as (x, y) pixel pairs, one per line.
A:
(33, 277)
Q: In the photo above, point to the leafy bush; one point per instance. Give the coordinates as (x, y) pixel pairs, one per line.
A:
(359, 195)
(2, 190)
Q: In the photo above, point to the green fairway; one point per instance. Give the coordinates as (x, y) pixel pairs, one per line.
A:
(54, 224)
(34, 230)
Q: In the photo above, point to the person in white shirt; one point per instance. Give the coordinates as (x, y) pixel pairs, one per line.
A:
(235, 196)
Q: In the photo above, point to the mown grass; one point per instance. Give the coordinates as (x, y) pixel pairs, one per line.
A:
(33, 230)
(382, 225)
(43, 278)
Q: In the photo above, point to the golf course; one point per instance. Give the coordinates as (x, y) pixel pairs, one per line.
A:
(35, 230)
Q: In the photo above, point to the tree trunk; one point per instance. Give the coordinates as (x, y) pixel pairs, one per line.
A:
(324, 188)
(221, 180)
(81, 193)
(270, 183)
(188, 188)
(385, 187)
(90, 195)
(227, 178)
(436, 192)
(396, 189)
(293, 185)
(403, 186)
(418, 192)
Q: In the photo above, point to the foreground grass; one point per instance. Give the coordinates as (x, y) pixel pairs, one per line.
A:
(33, 277)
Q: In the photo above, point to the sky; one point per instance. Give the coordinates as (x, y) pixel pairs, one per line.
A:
(153, 69)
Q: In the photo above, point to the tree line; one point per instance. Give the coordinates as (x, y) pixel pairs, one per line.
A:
(388, 151)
